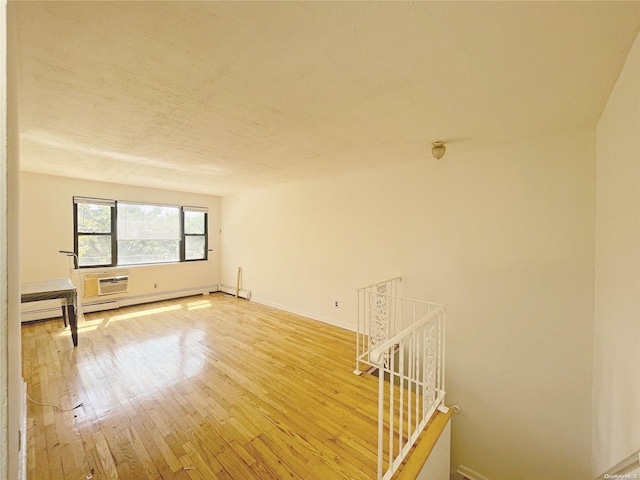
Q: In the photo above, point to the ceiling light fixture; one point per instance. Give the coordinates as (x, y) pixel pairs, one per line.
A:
(438, 150)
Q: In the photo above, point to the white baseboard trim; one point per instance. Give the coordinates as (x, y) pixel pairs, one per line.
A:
(303, 313)
(98, 304)
(470, 474)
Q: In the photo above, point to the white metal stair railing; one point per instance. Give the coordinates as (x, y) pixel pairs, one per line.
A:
(411, 387)
(382, 313)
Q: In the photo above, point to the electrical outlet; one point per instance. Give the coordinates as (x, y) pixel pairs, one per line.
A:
(336, 304)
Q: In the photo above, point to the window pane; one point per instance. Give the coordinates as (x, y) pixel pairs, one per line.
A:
(94, 218)
(148, 222)
(94, 250)
(135, 252)
(194, 248)
(194, 223)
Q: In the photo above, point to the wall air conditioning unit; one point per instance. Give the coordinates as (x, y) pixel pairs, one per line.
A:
(111, 285)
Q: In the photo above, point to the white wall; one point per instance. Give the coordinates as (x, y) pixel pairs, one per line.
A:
(46, 214)
(616, 394)
(503, 235)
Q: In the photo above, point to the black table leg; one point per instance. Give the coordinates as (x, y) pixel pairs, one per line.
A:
(73, 323)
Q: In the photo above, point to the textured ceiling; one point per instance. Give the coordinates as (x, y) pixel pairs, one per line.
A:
(220, 97)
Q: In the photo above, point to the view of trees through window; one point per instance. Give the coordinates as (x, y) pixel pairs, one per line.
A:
(194, 235)
(93, 233)
(148, 234)
(142, 233)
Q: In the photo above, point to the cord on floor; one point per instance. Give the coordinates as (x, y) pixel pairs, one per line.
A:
(55, 407)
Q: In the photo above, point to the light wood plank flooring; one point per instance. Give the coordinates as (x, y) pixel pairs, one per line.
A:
(207, 387)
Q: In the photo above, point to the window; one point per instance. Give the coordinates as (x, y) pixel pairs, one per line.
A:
(94, 235)
(114, 233)
(147, 234)
(195, 233)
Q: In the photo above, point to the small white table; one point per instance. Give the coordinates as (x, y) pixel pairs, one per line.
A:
(61, 288)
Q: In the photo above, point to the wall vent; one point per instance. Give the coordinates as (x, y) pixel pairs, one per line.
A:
(111, 285)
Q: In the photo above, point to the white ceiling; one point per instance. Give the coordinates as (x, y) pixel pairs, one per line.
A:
(220, 97)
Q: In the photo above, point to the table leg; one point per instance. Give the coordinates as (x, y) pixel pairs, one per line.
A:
(73, 323)
(64, 315)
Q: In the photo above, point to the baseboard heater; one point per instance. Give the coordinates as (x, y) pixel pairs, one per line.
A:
(111, 285)
(99, 304)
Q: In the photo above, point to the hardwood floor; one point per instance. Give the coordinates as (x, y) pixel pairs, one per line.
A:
(207, 387)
